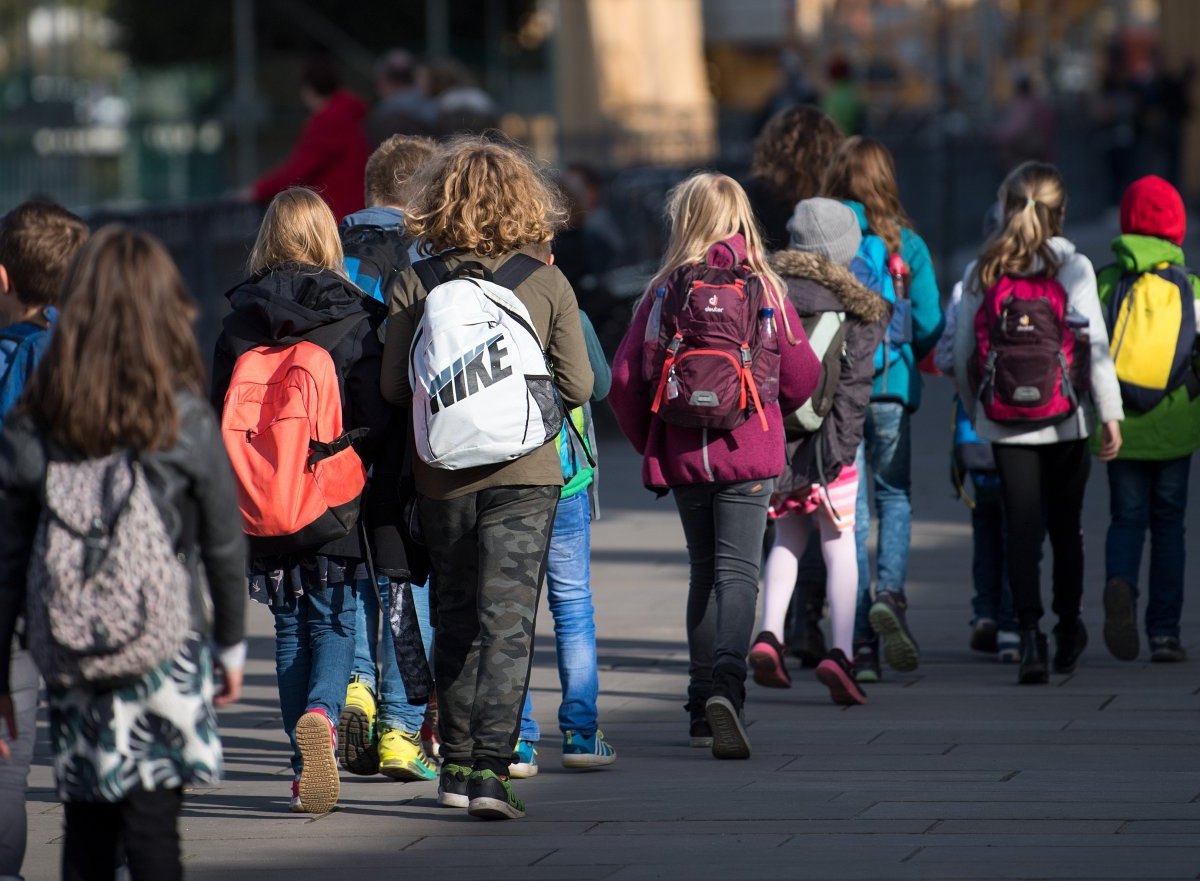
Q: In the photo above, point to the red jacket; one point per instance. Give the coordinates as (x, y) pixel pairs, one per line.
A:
(329, 156)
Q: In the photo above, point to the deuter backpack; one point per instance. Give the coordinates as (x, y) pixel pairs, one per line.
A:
(826, 332)
(375, 256)
(1032, 357)
(483, 389)
(710, 367)
(1151, 321)
(109, 600)
(299, 479)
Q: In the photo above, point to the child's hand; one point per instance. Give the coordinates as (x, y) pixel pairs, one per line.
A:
(231, 691)
(1110, 436)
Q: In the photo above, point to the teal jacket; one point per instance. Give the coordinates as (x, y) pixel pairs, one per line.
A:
(903, 378)
(578, 472)
(1172, 429)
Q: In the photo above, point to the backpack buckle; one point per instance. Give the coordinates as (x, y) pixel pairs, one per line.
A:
(673, 346)
(746, 359)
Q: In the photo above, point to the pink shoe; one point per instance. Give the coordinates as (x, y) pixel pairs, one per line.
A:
(318, 785)
(837, 674)
(766, 659)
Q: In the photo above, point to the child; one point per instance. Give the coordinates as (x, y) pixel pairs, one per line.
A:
(480, 207)
(721, 477)
(122, 755)
(379, 730)
(38, 241)
(1148, 481)
(1039, 434)
(819, 489)
(298, 293)
(864, 176)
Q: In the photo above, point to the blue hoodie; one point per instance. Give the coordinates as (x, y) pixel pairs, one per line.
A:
(903, 378)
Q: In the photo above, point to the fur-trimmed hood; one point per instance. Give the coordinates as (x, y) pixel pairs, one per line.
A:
(851, 294)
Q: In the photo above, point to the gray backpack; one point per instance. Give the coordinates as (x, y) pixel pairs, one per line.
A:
(108, 598)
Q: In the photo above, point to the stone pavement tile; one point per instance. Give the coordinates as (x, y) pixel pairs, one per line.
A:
(398, 867)
(1160, 827)
(776, 826)
(1033, 810)
(1004, 868)
(1025, 827)
(747, 867)
(1071, 735)
(892, 791)
(642, 851)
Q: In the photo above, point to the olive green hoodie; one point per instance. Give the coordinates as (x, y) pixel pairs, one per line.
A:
(1172, 429)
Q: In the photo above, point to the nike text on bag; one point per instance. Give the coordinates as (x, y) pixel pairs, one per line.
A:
(483, 392)
(826, 333)
(711, 369)
(108, 596)
(1032, 359)
(300, 481)
(1152, 329)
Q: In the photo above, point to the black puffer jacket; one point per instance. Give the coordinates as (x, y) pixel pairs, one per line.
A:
(296, 300)
(816, 285)
(192, 486)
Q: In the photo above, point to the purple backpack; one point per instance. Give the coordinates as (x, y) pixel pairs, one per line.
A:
(710, 367)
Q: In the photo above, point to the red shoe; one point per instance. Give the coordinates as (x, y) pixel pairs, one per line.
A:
(766, 659)
(837, 674)
(318, 785)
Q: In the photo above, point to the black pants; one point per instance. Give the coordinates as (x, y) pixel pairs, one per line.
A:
(145, 824)
(1043, 490)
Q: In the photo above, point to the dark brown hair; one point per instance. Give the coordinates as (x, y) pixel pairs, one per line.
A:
(863, 171)
(794, 149)
(121, 350)
(393, 164)
(38, 240)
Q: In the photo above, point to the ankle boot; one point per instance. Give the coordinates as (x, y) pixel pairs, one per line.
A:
(1070, 639)
(1033, 669)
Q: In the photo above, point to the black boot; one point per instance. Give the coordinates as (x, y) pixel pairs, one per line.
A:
(699, 732)
(1033, 670)
(1070, 639)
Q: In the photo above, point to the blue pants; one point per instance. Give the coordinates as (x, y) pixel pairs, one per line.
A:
(1146, 494)
(992, 599)
(569, 592)
(374, 650)
(314, 651)
(14, 773)
(884, 464)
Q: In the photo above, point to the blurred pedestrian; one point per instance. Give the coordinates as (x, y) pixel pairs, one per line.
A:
(842, 101)
(404, 108)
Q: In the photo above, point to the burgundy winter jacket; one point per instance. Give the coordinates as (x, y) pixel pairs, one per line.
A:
(676, 456)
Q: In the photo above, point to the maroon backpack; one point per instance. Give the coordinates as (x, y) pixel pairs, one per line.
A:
(710, 368)
(1032, 356)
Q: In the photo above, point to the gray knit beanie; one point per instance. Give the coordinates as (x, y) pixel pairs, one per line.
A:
(826, 227)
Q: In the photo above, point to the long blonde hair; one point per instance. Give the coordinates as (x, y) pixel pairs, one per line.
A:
(297, 228)
(862, 170)
(708, 208)
(1033, 202)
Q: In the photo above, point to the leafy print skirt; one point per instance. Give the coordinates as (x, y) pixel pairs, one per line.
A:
(157, 733)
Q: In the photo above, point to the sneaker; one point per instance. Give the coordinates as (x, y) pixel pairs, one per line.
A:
(1120, 619)
(1008, 646)
(866, 662)
(452, 786)
(430, 742)
(401, 756)
(1069, 642)
(579, 751)
(700, 734)
(318, 785)
(984, 636)
(766, 659)
(491, 797)
(837, 674)
(887, 617)
(729, 734)
(1167, 650)
(524, 762)
(297, 806)
(356, 729)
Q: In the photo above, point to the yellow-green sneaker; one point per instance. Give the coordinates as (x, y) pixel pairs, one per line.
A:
(402, 758)
(356, 730)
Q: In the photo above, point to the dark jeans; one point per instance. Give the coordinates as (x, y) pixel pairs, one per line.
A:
(989, 568)
(1043, 489)
(488, 551)
(1144, 494)
(145, 824)
(723, 524)
(14, 772)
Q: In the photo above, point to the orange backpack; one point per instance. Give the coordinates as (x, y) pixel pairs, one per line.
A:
(300, 481)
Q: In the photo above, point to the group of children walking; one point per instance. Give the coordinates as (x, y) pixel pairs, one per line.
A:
(399, 451)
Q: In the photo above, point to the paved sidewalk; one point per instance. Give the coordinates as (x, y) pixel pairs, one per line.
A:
(952, 772)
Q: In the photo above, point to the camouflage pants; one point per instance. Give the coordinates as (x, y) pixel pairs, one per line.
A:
(488, 551)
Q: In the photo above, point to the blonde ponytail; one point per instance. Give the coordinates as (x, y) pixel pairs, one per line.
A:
(1033, 201)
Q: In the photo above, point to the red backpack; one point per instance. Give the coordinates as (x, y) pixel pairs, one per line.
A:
(1032, 354)
(709, 365)
(300, 481)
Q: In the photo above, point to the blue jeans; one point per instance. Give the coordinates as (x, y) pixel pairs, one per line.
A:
(568, 582)
(1145, 494)
(314, 651)
(884, 463)
(993, 598)
(375, 651)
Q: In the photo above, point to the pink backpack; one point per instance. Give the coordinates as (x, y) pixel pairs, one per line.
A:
(710, 366)
(1032, 355)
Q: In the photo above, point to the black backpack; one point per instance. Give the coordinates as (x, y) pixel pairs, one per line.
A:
(375, 255)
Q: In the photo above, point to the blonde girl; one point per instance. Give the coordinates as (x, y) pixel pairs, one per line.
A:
(1043, 471)
(721, 480)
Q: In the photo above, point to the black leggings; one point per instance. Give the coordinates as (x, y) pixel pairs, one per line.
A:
(145, 824)
(1043, 490)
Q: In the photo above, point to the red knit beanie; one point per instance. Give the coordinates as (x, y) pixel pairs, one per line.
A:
(1152, 207)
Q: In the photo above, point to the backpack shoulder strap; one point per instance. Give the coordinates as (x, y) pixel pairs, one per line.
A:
(431, 272)
(515, 270)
